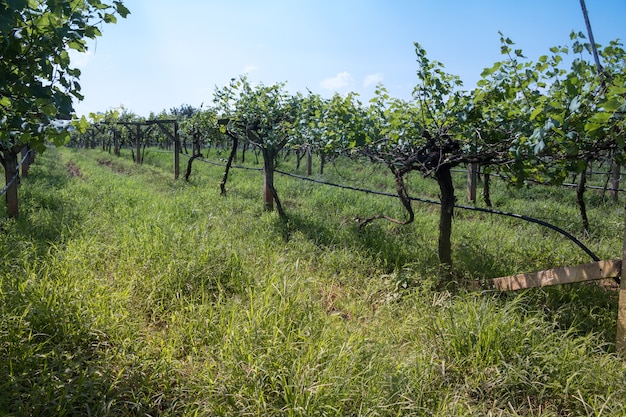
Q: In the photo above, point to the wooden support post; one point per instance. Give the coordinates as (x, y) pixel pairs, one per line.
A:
(116, 142)
(620, 342)
(10, 171)
(138, 143)
(176, 152)
(26, 163)
(309, 161)
(268, 180)
(472, 178)
(615, 177)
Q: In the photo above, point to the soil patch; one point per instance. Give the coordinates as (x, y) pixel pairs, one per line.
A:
(73, 170)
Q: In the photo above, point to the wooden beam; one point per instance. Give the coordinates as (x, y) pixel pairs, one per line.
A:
(559, 276)
(164, 129)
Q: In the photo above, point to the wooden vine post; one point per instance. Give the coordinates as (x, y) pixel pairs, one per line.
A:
(26, 158)
(176, 151)
(309, 161)
(268, 180)
(620, 342)
(615, 177)
(472, 178)
(10, 171)
(116, 142)
(138, 142)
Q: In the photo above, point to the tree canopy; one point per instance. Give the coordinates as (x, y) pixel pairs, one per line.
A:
(37, 81)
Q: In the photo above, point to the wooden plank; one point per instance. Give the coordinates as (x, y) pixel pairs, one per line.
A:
(558, 276)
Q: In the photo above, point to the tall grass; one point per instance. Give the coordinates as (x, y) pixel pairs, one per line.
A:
(124, 292)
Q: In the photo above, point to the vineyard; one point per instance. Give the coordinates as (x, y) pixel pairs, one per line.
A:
(273, 253)
(133, 293)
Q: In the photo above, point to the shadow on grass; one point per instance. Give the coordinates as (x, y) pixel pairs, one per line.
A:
(53, 363)
(581, 309)
(44, 213)
(386, 247)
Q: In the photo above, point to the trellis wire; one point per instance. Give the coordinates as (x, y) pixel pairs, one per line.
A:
(429, 201)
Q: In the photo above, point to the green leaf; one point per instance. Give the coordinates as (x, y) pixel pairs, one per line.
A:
(575, 104)
(92, 32)
(110, 18)
(612, 104)
(600, 118)
(82, 124)
(592, 128)
(121, 9)
(489, 71)
(61, 138)
(49, 109)
(78, 45)
(536, 112)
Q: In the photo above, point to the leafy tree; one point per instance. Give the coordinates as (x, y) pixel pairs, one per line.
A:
(185, 111)
(37, 81)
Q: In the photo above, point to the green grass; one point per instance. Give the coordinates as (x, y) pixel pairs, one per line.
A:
(125, 292)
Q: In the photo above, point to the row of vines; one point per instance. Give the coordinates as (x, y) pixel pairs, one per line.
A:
(538, 120)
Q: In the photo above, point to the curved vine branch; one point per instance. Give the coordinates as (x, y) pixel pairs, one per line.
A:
(404, 198)
(231, 158)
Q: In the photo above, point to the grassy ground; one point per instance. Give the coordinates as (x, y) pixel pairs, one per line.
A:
(124, 292)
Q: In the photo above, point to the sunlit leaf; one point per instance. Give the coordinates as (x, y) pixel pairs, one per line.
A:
(613, 104)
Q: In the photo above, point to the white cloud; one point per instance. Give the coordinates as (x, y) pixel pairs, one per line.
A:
(373, 79)
(250, 68)
(338, 82)
(80, 60)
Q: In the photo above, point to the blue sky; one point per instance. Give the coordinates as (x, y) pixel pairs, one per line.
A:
(166, 53)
